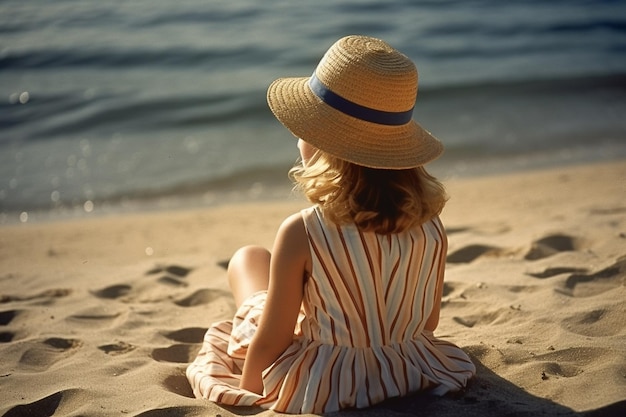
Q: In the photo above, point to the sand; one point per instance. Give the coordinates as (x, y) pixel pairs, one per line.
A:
(99, 316)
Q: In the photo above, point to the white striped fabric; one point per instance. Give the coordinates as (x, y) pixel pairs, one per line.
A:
(360, 338)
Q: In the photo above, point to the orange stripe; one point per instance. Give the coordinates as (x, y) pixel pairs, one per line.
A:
(447, 372)
(293, 387)
(382, 380)
(319, 387)
(374, 293)
(394, 271)
(277, 385)
(333, 286)
(361, 305)
(326, 272)
(399, 307)
(428, 277)
(391, 370)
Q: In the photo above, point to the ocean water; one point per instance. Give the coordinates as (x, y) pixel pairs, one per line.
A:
(119, 105)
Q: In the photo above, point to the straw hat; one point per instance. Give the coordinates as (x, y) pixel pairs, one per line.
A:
(357, 106)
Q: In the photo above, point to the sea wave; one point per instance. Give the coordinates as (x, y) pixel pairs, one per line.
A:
(79, 113)
(120, 100)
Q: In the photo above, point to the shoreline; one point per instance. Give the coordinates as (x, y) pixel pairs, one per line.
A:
(269, 185)
(100, 315)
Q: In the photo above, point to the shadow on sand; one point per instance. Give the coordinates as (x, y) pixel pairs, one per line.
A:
(487, 395)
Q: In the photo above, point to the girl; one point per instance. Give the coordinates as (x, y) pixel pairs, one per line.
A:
(342, 312)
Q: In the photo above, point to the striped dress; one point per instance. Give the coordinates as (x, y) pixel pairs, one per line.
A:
(360, 337)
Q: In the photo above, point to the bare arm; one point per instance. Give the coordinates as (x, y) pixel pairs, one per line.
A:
(290, 258)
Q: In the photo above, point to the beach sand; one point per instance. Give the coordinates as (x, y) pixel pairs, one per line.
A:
(99, 316)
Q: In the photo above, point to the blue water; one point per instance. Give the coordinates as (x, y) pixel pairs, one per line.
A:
(150, 102)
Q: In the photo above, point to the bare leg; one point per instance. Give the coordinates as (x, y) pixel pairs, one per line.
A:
(248, 272)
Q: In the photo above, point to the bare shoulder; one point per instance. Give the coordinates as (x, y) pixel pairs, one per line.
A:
(292, 222)
(292, 230)
(292, 240)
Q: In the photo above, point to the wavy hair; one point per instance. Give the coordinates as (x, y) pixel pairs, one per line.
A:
(380, 200)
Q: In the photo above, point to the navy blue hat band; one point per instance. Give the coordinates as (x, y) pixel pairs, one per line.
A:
(356, 110)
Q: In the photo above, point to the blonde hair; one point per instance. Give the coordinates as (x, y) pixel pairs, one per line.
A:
(380, 200)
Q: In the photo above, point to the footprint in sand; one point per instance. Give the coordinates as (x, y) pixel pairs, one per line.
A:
(64, 402)
(172, 274)
(45, 407)
(597, 323)
(551, 272)
(499, 316)
(187, 335)
(551, 245)
(178, 384)
(7, 317)
(46, 296)
(118, 348)
(48, 352)
(569, 362)
(6, 337)
(174, 282)
(96, 316)
(179, 271)
(201, 297)
(588, 285)
(186, 350)
(113, 292)
(179, 353)
(566, 370)
(470, 253)
(545, 368)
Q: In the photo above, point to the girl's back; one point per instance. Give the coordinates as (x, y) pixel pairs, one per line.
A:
(369, 289)
(366, 304)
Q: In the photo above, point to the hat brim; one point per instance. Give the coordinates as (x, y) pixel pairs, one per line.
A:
(346, 137)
